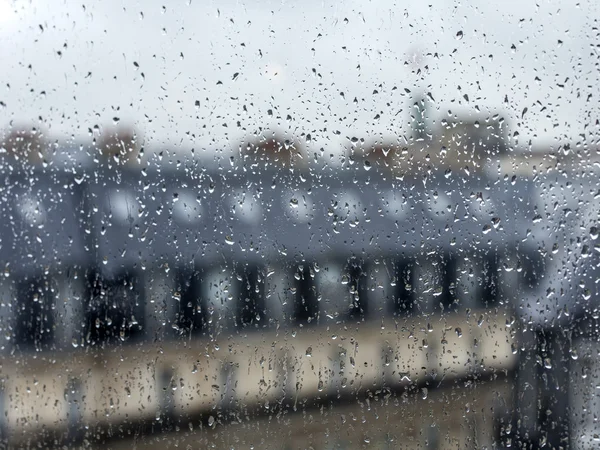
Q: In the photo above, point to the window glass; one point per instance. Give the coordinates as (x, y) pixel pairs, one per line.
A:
(284, 224)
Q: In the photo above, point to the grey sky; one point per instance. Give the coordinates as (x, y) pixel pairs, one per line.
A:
(186, 48)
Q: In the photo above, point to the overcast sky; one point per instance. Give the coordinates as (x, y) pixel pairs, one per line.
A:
(77, 66)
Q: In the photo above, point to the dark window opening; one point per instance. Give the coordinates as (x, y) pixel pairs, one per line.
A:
(490, 293)
(190, 315)
(533, 266)
(306, 306)
(449, 275)
(35, 314)
(404, 298)
(116, 309)
(252, 287)
(357, 285)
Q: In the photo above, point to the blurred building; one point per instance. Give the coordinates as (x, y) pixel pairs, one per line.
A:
(120, 146)
(26, 145)
(458, 144)
(274, 151)
(546, 159)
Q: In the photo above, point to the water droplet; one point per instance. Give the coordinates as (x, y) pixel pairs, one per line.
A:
(309, 352)
(585, 252)
(459, 35)
(229, 240)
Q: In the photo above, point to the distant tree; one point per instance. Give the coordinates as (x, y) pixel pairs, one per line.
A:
(24, 144)
(273, 151)
(119, 146)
